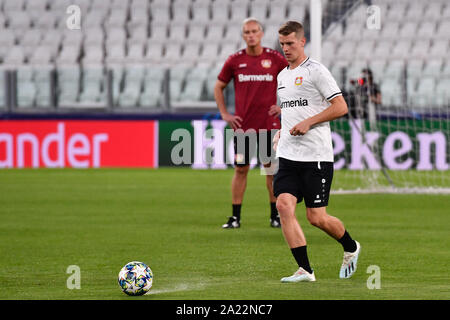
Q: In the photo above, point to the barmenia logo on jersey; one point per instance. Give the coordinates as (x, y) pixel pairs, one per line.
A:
(294, 103)
(255, 77)
(298, 81)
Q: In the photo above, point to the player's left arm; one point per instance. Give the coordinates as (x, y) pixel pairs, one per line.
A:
(337, 109)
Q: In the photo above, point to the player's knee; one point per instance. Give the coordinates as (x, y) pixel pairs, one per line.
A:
(284, 207)
(315, 217)
(241, 170)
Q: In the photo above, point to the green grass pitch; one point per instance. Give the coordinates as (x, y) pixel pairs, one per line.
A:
(170, 218)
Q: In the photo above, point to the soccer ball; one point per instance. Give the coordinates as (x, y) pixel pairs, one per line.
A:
(135, 278)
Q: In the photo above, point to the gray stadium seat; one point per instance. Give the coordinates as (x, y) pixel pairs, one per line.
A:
(42, 80)
(160, 13)
(68, 85)
(432, 67)
(419, 49)
(220, 12)
(238, 12)
(438, 49)
(197, 32)
(2, 89)
(200, 12)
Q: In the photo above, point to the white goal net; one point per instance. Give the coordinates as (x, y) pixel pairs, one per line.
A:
(396, 135)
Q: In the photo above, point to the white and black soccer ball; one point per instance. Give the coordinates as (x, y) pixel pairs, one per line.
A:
(135, 278)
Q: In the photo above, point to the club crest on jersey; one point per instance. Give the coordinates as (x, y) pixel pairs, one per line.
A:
(298, 81)
(266, 63)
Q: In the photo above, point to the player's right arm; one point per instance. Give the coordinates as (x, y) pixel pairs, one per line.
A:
(234, 121)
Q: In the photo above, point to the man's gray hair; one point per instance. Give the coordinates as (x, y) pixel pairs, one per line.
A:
(252, 19)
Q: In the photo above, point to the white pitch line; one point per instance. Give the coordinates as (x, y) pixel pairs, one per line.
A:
(180, 287)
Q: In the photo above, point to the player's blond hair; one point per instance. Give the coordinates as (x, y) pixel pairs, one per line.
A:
(252, 19)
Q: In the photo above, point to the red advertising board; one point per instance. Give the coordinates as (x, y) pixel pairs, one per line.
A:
(78, 144)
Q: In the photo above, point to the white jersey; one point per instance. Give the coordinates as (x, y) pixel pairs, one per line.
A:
(304, 92)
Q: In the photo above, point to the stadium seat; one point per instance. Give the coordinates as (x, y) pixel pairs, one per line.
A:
(445, 72)
(377, 66)
(364, 49)
(408, 30)
(276, 12)
(154, 52)
(442, 30)
(190, 53)
(94, 19)
(177, 33)
(94, 36)
(13, 5)
(137, 34)
(438, 49)
(395, 69)
(227, 48)
(391, 92)
(211, 80)
(152, 94)
(352, 32)
(159, 13)
(69, 55)
(117, 18)
(15, 56)
(172, 53)
(354, 71)
(415, 12)
(200, 12)
(68, 84)
(42, 80)
(441, 93)
(208, 53)
(26, 94)
(138, 18)
(214, 33)
(238, 12)
(258, 10)
(115, 54)
(42, 55)
(427, 29)
(116, 36)
(401, 49)
(18, 20)
(346, 52)
(158, 32)
(181, 13)
(432, 67)
(135, 54)
(419, 49)
(130, 95)
(389, 30)
(359, 15)
(396, 11)
(93, 55)
(220, 12)
(196, 33)
(296, 13)
(45, 20)
(432, 12)
(414, 67)
(425, 93)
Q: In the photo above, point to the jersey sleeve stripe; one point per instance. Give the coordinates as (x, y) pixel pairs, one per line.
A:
(334, 95)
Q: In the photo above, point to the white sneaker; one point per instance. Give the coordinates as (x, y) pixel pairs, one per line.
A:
(301, 275)
(349, 263)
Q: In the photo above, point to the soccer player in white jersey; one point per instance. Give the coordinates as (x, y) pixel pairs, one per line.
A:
(310, 98)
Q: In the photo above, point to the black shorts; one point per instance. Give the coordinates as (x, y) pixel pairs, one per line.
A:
(250, 144)
(304, 180)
